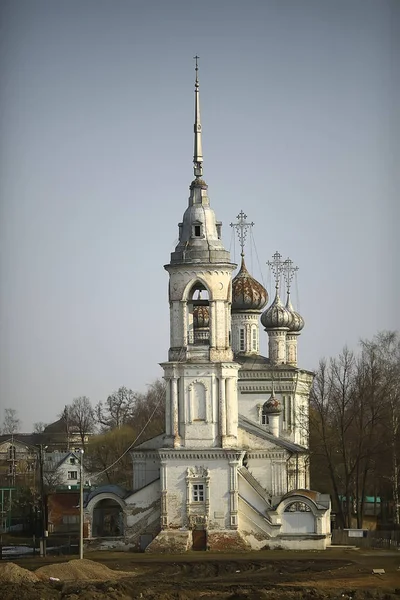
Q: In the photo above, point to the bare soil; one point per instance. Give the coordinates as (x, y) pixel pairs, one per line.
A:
(337, 573)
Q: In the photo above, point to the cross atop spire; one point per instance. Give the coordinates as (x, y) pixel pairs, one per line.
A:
(198, 151)
(289, 269)
(276, 265)
(242, 227)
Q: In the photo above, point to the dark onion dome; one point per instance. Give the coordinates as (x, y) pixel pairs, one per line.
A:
(201, 317)
(272, 406)
(247, 293)
(297, 322)
(276, 316)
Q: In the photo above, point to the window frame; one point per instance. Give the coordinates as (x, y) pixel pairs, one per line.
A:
(254, 345)
(242, 340)
(198, 493)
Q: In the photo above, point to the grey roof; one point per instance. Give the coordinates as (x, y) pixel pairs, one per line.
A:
(253, 362)
(257, 430)
(108, 489)
(256, 362)
(28, 439)
(52, 460)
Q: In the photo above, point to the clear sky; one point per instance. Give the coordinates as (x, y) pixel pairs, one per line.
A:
(300, 112)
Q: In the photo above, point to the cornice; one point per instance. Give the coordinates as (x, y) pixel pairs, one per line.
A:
(193, 454)
(274, 454)
(254, 388)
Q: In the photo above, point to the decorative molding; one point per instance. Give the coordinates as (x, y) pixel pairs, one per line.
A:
(271, 454)
(182, 454)
(266, 388)
(197, 471)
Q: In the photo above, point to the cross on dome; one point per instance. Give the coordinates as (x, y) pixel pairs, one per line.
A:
(242, 228)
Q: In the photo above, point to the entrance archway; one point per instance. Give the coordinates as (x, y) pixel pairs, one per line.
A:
(108, 519)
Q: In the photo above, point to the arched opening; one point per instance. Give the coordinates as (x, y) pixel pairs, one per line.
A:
(298, 518)
(108, 519)
(198, 317)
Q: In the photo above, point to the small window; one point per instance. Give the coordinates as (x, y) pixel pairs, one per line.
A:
(72, 461)
(198, 492)
(197, 230)
(11, 452)
(265, 419)
(254, 338)
(73, 475)
(241, 340)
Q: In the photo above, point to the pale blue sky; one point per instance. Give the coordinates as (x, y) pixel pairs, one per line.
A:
(300, 112)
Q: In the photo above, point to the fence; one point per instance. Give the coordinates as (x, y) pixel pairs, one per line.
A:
(17, 547)
(368, 538)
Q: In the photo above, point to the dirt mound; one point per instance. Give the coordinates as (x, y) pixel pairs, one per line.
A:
(79, 570)
(12, 573)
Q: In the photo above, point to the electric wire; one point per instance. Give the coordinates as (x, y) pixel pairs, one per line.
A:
(253, 242)
(180, 360)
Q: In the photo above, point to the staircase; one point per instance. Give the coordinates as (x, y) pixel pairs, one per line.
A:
(245, 473)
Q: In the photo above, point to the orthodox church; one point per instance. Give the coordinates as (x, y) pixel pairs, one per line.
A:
(231, 470)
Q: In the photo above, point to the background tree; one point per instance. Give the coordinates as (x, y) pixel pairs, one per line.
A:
(80, 415)
(148, 416)
(108, 454)
(11, 422)
(39, 427)
(354, 426)
(117, 410)
(107, 448)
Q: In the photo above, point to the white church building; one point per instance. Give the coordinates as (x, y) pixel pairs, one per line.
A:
(231, 470)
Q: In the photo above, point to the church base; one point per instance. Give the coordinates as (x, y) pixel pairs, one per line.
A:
(226, 541)
(171, 541)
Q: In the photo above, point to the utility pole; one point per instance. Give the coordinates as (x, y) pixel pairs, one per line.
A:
(81, 450)
(42, 504)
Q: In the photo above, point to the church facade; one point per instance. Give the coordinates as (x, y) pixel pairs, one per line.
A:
(231, 470)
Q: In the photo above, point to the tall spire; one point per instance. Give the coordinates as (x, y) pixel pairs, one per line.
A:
(198, 151)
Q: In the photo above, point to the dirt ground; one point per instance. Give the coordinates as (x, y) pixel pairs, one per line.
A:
(336, 573)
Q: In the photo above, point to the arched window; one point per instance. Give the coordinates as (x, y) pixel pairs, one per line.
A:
(11, 453)
(298, 507)
(198, 316)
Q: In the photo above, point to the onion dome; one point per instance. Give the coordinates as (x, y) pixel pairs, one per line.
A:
(201, 317)
(297, 322)
(247, 292)
(276, 316)
(272, 406)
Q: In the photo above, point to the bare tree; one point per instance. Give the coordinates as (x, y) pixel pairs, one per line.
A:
(117, 410)
(52, 478)
(11, 422)
(39, 427)
(385, 347)
(354, 426)
(80, 414)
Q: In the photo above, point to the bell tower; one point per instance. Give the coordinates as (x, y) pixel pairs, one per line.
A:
(202, 408)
